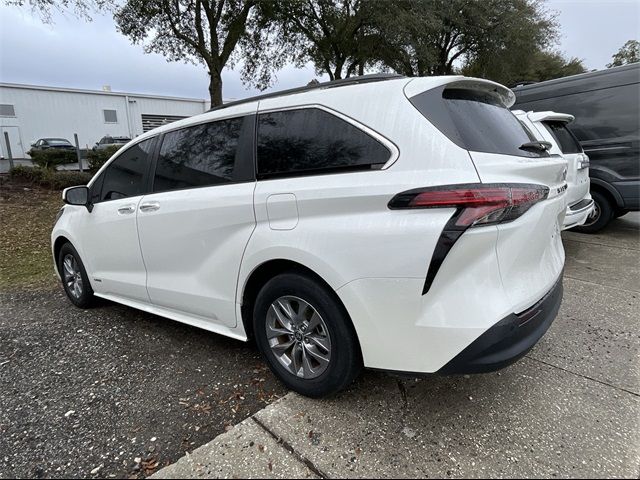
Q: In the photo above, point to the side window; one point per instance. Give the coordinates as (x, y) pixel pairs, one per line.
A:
(123, 177)
(204, 155)
(311, 141)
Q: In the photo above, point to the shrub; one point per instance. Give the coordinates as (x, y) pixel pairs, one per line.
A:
(55, 180)
(97, 158)
(26, 174)
(53, 157)
(63, 179)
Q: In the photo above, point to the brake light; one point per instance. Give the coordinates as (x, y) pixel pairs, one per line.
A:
(477, 204)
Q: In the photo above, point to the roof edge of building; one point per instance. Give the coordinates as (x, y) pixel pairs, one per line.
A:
(25, 86)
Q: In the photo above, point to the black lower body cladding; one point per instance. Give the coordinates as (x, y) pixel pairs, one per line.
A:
(510, 339)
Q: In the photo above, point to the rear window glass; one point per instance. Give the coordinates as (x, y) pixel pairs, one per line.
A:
(475, 121)
(563, 136)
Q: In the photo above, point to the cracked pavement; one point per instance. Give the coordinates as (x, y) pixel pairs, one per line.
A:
(570, 408)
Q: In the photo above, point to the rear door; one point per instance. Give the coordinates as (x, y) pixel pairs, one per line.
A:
(195, 224)
(475, 117)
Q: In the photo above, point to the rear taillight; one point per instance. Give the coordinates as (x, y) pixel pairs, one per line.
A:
(477, 204)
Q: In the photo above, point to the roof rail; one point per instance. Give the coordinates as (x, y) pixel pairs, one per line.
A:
(374, 77)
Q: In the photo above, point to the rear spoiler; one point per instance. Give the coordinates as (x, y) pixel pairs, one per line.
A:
(421, 84)
(550, 117)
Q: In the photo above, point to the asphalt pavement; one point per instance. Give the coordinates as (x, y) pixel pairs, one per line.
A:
(112, 391)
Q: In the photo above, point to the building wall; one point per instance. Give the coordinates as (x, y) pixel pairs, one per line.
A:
(42, 112)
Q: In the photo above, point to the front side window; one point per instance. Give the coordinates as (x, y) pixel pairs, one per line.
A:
(204, 155)
(124, 176)
(311, 141)
(565, 139)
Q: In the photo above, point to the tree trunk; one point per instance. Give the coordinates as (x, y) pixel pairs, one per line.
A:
(215, 88)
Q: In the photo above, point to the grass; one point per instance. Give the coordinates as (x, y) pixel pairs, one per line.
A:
(26, 219)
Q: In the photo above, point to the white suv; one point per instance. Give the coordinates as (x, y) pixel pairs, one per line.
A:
(386, 222)
(551, 127)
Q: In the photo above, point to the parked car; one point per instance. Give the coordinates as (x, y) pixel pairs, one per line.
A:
(109, 141)
(404, 224)
(551, 127)
(606, 106)
(47, 143)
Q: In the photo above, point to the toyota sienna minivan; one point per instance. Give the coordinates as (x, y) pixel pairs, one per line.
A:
(551, 127)
(401, 224)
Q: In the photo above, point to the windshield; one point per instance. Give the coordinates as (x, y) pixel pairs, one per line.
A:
(477, 121)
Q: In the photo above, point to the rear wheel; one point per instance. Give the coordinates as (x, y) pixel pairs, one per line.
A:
(74, 277)
(600, 217)
(620, 212)
(305, 335)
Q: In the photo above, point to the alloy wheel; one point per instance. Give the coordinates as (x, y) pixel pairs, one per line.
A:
(72, 276)
(298, 337)
(593, 216)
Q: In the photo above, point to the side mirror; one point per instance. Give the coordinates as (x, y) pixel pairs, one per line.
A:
(33, 144)
(77, 196)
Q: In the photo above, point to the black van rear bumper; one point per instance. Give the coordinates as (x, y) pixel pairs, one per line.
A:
(510, 339)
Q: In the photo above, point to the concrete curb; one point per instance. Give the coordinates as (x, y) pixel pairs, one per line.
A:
(248, 450)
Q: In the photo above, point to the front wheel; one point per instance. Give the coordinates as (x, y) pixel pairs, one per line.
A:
(305, 335)
(600, 217)
(74, 277)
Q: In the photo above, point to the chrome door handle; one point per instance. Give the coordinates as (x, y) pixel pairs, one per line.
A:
(126, 210)
(150, 207)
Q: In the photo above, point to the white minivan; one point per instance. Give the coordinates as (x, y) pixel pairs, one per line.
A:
(402, 224)
(552, 127)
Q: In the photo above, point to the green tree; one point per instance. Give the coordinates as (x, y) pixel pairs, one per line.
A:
(535, 66)
(432, 37)
(335, 35)
(197, 31)
(628, 53)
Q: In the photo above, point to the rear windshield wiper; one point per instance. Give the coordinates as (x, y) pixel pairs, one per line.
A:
(536, 145)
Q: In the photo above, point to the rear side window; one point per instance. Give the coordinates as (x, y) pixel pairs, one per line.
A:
(563, 136)
(205, 155)
(312, 141)
(475, 121)
(124, 176)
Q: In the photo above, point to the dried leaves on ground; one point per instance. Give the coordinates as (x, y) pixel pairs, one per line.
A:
(26, 219)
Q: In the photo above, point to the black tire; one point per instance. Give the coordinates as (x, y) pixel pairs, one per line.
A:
(345, 361)
(603, 214)
(86, 298)
(620, 212)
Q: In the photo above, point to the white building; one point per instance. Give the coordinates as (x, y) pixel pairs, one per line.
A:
(30, 112)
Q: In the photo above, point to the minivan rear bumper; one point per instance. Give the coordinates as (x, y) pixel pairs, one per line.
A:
(510, 339)
(578, 213)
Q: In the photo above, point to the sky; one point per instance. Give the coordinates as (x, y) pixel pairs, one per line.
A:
(75, 53)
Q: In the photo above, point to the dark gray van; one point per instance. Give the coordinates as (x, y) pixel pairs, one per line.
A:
(606, 105)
